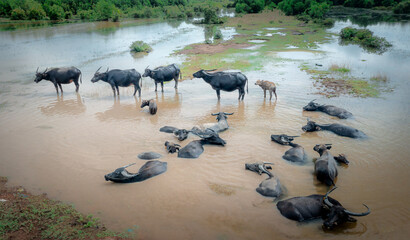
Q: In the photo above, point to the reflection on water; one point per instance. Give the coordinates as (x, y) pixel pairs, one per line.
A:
(64, 107)
(120, 111)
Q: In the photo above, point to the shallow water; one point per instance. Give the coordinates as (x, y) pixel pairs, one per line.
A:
(64, 145)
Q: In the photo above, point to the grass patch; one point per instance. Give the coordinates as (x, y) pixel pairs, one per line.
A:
(361, 88)
(379, 78)
(340, 69)
(365, 39)
(140, 46)
(25, 216)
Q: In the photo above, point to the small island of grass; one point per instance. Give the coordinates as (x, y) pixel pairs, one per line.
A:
(140, 46)
(365, 39)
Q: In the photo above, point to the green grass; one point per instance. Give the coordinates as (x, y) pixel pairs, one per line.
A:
(363, 88)
(339, 69)
(140, 46)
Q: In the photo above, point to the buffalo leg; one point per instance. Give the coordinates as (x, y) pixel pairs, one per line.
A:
(243, 93)
(77, 86)
(155, 86)
(135, 90)
(55, 85)
(118, 91)
(218, 94)
(113, 89)
(176, 82)
(270, 92)
(264, 93)
(162, 86)
(274, 91)
(59, 84)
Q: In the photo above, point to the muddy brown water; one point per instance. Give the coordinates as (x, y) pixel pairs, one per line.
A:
(64, 145)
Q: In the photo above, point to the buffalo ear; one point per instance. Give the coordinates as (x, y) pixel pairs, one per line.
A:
(350, 219)
(318, 128)
(328, 147)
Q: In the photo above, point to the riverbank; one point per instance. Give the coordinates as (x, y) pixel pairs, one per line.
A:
(27, 216)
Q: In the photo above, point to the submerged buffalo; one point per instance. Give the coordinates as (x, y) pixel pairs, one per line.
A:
(222, 123)
(337, 128)
(164, 74)
(148, 170)
(152, 106)
(149, 155)
(181, 134)
(172, 147)
(296, 154)
(325, 165)
(60, 76)
(318, 206)
(269, 187)
(329, 109)
(119, 78)
(226, 81)
(195, 148)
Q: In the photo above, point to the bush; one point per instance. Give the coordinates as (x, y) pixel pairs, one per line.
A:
(140, 46)
(211, 17)
(218, 34)
(402, 8)
(34, 10)
(68, 15)
(364, 38)
(86, 14)
(116, 15)
(18, 14)
(318, 10)
(359, 3)
(249, 6)
(56, 12)
(104, 10)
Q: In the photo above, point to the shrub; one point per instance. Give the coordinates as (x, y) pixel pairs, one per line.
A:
(140, 46)
(218, 34)
(116, 14)
(211, 17)
(68, 15)
(104, 10)
(249, 6)
(34, 10)
(318, 10)
(403, 7)
(56, 12)
(359, 3)
(364, 38)
(18, 14)
(86, 14)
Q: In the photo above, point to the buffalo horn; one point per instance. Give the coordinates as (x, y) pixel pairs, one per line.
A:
(37, 70)
(312, 100)
(209, 70)
(214, 114)
(359, 214)
(45, 71)
(147, 67)
(107, 69)
(293, 136)
(97, 70)
(268, 163)
(327, 202)
(228, 113)
(129, 165)
(328, 144)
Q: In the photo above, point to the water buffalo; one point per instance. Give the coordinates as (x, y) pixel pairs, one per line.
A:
(339, 129)
(152, 105)
(222, 124)
(119, 78)
(269, 187)
(164, 74)
(318, 206)
(181, 134)
(329, 109)
(148, 170)
(226, 81)
(149, 155)
(172, 147)
(195, 148)
(60, 76)
(325, 165)
(296, 154)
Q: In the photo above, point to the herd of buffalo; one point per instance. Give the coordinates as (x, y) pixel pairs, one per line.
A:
(297, 208)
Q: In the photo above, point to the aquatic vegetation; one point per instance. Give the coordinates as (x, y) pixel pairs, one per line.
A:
(340, 69)
(365, 39)
(379, 78)
(140, 46)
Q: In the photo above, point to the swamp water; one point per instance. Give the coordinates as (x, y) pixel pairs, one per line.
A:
(65, 145)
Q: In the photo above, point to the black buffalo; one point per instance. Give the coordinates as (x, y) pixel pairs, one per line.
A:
(148, 170)
(269, 187)
(164, 74)
(222, 124)
(329, 109)
(325, 165)
(172, 147)
(195, 148)
(296, 154)
(318, 206)
(119, 78)
(226, 81)
(60, 76)
(337, 128)
(181, 134)
(282, 139)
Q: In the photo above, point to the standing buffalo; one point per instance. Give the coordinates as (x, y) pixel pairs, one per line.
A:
(226, 81)
(60, 76)
(329, 109)
(339, 129)
(119, 78)
(164, 74)
(316, 206)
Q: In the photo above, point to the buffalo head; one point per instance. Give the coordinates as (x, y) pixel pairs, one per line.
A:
(147, 72)
(181, 134)
(201, 73)
(337, 214)
(221, 115)
(145, 103)
(99, 76)
(320, 148)
(312, 106)
(40, 76)
(311, 126)
(119, 173)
